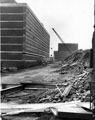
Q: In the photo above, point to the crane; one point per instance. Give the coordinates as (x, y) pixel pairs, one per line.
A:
(61, 40)
(58, 35)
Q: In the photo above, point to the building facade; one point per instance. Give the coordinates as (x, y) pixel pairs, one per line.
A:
(64, 50)
(24, 40)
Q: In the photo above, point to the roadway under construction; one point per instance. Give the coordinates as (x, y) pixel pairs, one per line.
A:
(49, 89)
(53, 90)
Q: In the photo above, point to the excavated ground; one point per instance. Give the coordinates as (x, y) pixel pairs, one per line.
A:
(72, 73)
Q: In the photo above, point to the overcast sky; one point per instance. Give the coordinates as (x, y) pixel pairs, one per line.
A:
(72, 19)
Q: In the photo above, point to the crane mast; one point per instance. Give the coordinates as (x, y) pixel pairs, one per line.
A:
(61, 40)
(58, 35)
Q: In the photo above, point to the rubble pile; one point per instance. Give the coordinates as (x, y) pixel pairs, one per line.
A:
(75, 88)
(78, 89)
(80, 55)
(81, 88)
(78, 64)
(50, 96)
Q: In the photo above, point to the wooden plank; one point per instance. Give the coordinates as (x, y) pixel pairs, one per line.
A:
(11, 90)
(28, 88)
(4, 86)
(65, 110)
(67, 91)
(41, 85)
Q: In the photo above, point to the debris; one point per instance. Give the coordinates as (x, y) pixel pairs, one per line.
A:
(67, 91)
(75, 86)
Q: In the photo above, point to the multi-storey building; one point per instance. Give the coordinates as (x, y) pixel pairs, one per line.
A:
(24, 40)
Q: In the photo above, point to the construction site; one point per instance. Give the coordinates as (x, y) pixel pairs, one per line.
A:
(35, 85)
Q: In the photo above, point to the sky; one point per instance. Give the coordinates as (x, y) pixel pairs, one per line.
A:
(72, 19)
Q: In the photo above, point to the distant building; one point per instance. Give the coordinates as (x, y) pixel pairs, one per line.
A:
(24, 40)
(64, 50)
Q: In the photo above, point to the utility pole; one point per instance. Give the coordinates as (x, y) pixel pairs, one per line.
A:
(92, 65)
(93, 46)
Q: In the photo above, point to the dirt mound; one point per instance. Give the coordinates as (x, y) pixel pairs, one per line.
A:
(80, 55)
